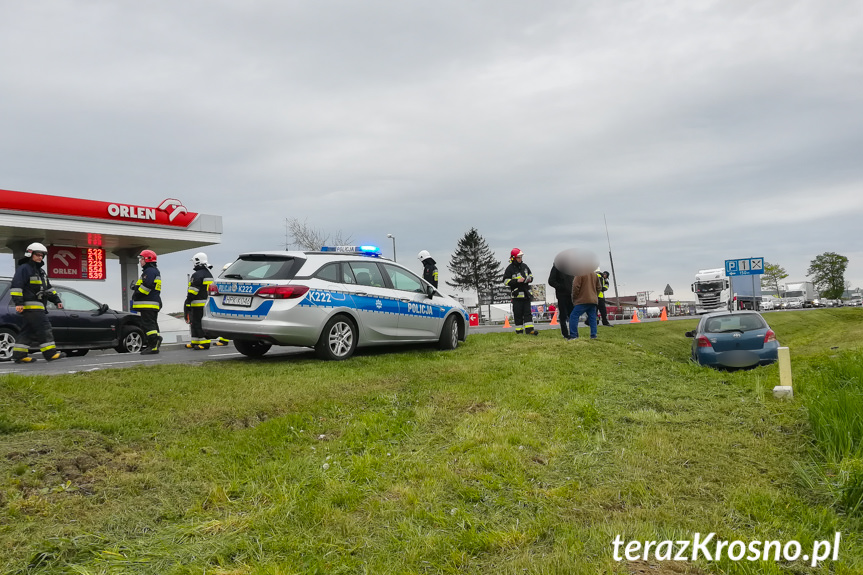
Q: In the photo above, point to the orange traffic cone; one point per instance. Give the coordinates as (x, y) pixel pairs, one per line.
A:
(663, 316)
(506, 322)
(635, 317)
(554, 319)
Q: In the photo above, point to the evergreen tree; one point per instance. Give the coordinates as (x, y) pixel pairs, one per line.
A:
(474, 266)
(828, 274)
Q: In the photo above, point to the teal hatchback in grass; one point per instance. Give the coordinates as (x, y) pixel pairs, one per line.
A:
(733, 339)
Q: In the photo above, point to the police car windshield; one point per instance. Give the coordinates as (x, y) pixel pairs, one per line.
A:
(264, 267)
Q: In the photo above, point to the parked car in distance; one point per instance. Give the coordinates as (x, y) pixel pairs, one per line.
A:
(733, 340)
(83, 324)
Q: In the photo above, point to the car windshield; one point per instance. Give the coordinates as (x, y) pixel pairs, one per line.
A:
(735, 322)
(264, 267)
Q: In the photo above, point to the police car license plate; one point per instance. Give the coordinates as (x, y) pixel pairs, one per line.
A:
(243, 300)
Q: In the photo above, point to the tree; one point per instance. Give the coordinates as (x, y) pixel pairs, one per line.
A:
(308, 238)
(474, 265)
(828, 274)
(773, 274)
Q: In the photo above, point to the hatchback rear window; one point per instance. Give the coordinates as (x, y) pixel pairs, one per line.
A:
(264, 267)
(736, 322)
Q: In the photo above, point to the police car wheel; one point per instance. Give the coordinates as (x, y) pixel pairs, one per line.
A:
(449, 334)
(7, 342)
(252, 348)
(338, 340)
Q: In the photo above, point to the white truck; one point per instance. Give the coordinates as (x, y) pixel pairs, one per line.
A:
(712, 291)
(803, 292)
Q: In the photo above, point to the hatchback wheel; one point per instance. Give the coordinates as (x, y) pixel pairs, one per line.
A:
(338, 340)
(449, 334)
(132, 340)
(7, 342)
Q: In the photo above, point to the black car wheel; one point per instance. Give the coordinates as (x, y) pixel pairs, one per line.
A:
(449, 334)
(7, 342)
(132, 340)
(252, 348)
(338, 341)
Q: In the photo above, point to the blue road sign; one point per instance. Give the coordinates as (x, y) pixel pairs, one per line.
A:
(744, 267)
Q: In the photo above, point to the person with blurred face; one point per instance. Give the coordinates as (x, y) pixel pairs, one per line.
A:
(585, 298)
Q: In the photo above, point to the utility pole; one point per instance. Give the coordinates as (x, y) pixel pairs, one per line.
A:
(611, 261)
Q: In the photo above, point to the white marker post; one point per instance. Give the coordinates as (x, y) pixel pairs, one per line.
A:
(784, 390)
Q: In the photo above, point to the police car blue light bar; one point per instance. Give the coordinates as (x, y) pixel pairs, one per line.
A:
(362, 250)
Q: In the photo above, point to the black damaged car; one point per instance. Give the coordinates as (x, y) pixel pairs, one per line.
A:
(83, 324)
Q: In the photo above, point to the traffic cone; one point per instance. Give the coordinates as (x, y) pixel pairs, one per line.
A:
(554, 319)
(663, 316)
(506, 322)
(635, 317)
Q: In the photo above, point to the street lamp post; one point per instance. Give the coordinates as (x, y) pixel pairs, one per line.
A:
(393, 238)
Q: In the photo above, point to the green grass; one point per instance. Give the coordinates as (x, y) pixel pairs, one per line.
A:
(509, 455)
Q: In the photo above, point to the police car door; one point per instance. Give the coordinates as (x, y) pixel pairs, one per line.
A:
(374, 303)
(419, 318)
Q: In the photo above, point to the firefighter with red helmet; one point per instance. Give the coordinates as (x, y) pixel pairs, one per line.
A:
(30, 290)
(196, 299)
(518, 277)
(147, 300)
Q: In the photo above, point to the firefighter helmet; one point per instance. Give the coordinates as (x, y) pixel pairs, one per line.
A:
(515, 253)
(147, 256)
(200, 259)
(35, 247)
(423, 255)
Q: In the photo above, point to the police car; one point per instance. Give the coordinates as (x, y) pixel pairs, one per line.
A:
(335, 300)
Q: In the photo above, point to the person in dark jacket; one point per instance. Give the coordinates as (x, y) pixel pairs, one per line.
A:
(562, 284)
(518, 277)
(147, 300)
(30, 290)
(196, 299)
(429, 267)
(585, 290)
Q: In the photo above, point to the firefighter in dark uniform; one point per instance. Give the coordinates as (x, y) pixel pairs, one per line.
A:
(147, 300)
(429, 267)
(518, 277)
(603, 279)
(196, 299)
(30, 290)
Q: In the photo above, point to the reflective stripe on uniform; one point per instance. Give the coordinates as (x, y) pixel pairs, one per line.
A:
(47, 346)
(144, 290)
(14, 291)
(198, 303)
(152, 332)
(145, 305)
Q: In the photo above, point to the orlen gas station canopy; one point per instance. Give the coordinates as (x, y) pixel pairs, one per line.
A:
(121, 230)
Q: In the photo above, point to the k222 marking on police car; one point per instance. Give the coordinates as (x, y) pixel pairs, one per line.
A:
(320, 296)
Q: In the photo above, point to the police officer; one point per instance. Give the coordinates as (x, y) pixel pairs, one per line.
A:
(518, 277)
(147, 300)
(30, 289)
(196, 299)
(429, 267)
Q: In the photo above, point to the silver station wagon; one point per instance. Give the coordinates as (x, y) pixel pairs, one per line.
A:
(334, 300)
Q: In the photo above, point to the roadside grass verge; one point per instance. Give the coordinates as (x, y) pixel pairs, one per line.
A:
(509, 455)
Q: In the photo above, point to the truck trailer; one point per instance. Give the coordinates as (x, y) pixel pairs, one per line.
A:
(804, 292)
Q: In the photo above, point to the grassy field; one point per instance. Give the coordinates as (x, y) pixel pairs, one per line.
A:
(510, 455)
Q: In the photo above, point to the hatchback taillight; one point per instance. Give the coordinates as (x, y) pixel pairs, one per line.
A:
(769, 336)
(703, 341)
(213, 290)
(282, 292)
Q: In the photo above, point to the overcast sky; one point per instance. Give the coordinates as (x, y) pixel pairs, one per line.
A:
(701, 131)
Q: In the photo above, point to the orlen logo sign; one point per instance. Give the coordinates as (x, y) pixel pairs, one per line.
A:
(171, 207)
